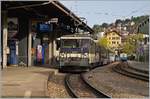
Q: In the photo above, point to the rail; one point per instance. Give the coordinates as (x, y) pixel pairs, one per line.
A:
(86, 88)
(119, 69)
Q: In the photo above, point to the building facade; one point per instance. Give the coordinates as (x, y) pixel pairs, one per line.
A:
(114, 39)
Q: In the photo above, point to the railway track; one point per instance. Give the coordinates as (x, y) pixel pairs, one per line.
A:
(78, 88)
(124, 70)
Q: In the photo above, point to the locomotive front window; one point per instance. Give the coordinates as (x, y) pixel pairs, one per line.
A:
(70, 43)
(75, 43)
(85, 43)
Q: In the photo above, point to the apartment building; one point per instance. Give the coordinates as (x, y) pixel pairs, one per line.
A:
(114, 39)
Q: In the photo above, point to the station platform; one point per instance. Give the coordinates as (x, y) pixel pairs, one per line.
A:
(140, 66)
(25, 82)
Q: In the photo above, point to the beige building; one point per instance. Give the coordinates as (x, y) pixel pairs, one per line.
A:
(114, 39)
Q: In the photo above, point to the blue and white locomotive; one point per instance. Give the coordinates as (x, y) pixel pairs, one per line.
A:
(80, 52)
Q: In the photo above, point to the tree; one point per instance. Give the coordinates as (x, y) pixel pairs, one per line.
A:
(118, 21)
(104, 25)
(126, 21)
(97, 28)
(103, 41)
(130, 46)
(139, 19)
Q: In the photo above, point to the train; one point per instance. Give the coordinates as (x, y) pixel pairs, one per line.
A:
(80, 52)
(123, 57)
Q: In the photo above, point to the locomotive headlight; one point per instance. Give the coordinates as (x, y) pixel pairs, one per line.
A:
(62, 55)
(85, 55)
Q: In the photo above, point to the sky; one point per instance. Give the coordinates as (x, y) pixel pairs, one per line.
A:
(100, 11)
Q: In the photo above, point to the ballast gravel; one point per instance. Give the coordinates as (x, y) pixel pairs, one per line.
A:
(56, 86)
(117, 85)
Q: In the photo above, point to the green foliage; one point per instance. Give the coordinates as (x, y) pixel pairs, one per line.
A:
(127, 20)
(130, 45)
(128, 48)
(118, 21)
(138, 37)
(97, 28)
(104, 25)
(103, 42)
(139, 19)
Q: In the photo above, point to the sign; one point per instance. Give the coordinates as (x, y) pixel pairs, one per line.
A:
(45, 38)
(12, 27)
(53, 20)
(39, 53)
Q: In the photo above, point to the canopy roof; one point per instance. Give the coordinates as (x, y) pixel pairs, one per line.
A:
(44, 9)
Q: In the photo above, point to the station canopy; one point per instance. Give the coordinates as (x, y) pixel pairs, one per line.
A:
(44, 10)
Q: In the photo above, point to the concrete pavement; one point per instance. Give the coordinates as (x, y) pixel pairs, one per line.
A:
(25, 82)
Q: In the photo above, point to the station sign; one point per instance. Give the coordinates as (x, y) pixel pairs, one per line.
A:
(53, 20)
(12, 27)
(45, 38)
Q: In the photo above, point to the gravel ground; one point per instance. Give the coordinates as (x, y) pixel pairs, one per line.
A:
(134, 71)
(79, 87)
(56, 86)
(117, 85)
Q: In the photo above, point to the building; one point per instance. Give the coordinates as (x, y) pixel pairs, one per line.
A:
(143, 28)
(100, 34)
(22, 37)
(114, 39)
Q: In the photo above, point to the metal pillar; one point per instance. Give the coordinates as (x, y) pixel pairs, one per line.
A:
(0, 43)
(54, 47)
(50, 52)
(29, 44)
(54, 52)
(4, 37)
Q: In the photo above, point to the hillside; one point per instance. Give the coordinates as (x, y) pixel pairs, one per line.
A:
(126, 24)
